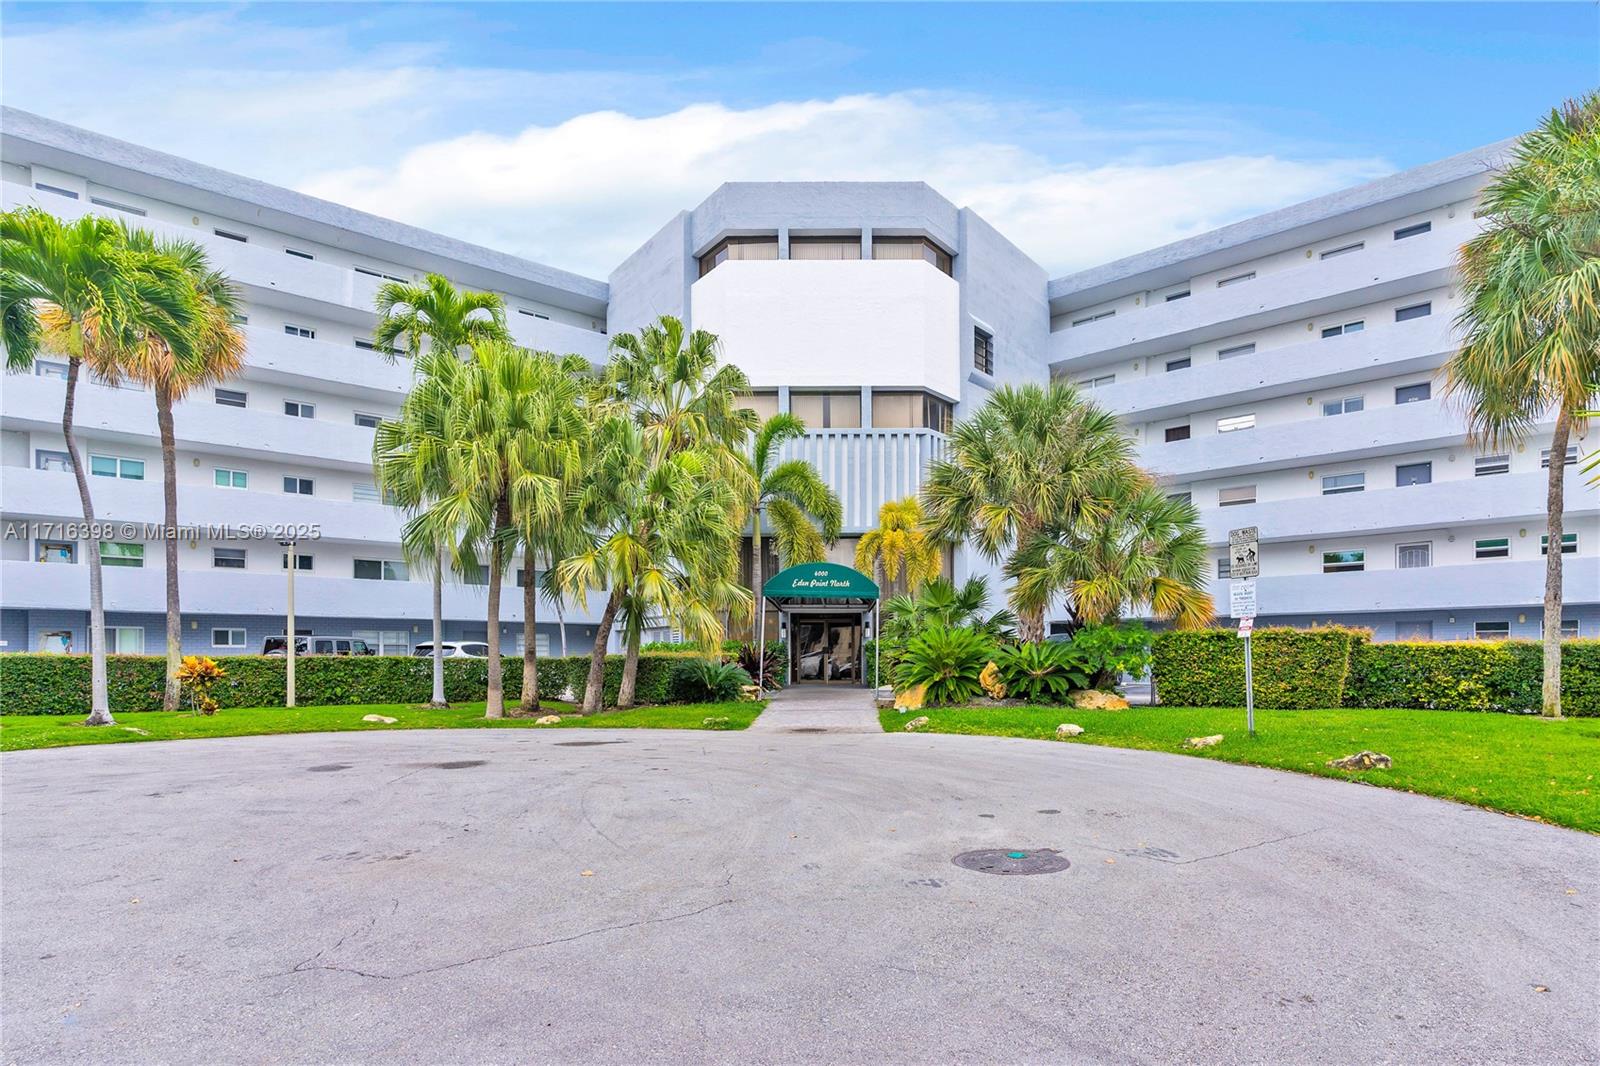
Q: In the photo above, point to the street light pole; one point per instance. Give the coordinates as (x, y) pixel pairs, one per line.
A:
(290, 564)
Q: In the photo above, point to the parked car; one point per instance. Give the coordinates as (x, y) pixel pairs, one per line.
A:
(316, 646)
(454, 649)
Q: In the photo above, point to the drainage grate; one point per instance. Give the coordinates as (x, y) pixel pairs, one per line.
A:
(1013, 861)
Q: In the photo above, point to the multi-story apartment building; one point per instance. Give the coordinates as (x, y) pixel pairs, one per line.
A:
(1280, 371)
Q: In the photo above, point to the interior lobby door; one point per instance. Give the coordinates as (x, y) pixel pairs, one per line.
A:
(827, 649)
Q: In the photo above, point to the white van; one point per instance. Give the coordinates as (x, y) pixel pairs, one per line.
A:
(453, 649)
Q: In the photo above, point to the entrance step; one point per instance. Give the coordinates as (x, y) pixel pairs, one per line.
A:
(819, 708)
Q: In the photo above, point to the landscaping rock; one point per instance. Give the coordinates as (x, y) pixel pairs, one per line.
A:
(379, 718)
(549, 719)
(1094, 700)
(1203, 742)
(1363, 760)
(912, 698)
(715, 723)
(916, 723)
(1067, 729)
(990, 680)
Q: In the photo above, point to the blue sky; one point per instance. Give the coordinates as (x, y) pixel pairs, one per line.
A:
(570, 132)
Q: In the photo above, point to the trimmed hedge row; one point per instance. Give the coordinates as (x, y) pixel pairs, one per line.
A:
(59, 684)
(1299, 669)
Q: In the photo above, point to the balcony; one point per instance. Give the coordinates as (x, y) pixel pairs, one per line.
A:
(866, 468)
(1440, 505)
(1383, 351)
(1435, 588)
(1378, 272)
(272, 355)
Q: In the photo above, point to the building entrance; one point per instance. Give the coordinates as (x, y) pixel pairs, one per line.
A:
(826, 648)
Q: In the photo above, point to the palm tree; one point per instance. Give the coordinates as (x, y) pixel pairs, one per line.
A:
(218, 350)
(942, 602)
(1034, 458)
(1530, 318)
(806, 515)
(79, 289)
(900, 545)
(432, 316)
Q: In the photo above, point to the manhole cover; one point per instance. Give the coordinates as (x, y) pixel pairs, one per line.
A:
(1010, 861)
(586, 743)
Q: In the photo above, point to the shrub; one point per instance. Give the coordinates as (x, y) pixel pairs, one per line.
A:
(1295, 669)
(947, 660)
(769, 667)
(705, 681)
(1042, 673)
(1502, 675)
(1109, 651)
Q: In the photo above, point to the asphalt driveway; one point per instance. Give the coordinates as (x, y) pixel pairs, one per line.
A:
(626, 896)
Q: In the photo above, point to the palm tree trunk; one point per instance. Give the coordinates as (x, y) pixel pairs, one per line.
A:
(438, 631)
(530, 659)
(99, 697)
(1030, 625)
(495, 704)
(1554, 502)
(594, 689)
(630, 671)
(169, 500)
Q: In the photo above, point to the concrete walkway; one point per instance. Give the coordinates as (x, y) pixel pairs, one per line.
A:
(819, 708)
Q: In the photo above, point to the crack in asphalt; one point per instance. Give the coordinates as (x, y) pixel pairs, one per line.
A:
(309, 965)
(1232, 851)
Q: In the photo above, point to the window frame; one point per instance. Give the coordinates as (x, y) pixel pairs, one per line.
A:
(1343, 249)
(1173, 365)
(228, 641)
(224, 398)
(1236, 350)
(717, 254)
(1500, 630)
(1236, 279)
(373, 420)
(1345, 561)
(1416, 229)
(1418, 467)
(1401, 549)
(119, 460)
(237, 480)
(1412, 312)
(1347, 489)
(1344, 406)
(129, 555)
(1236, 423)
(1251, 488)
(1357, 326)
(1569, 543)
(224, 558)
(1425, 386)
(932, 254)
(1491, 548)
(1175, 434)
(301, 407)
(310, 484)
(304, 562)
(1499, 464)
(982, 351)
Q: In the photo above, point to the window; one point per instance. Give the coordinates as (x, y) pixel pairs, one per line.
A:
(231, 236)
(1492, 548)
(1569, 544)
(764, 402)
(116, 466)
(371, 273)
(68, 193)
(1569, 629)
(739, 248)
(366, 421)
(1544, 457)
(1233, 423)
(61, 462)
(1414, 230)
(1338, 484)
(1413, 556)
(983, 350)
(380, 570)
(522, 576)
(1093, 318)
(1413, 474)
(232, 398)
(1413, 630)
(46, 368)
(1491, 630)
(1236, 351)
(100, 201)
(125, 640)
(1178, 364)
(1184, 295)
(300, 331)
(1343, 249)
(56, 551)
(1236, 279)
(1344, 562)
(533, 314)
(1407, 313)
(237, 319)
(365, 492)
(1224, 567)
(828, 410)
(1177, 433)
(1347, 406)
(301, 562)
(385, 641)
(829, 248)
(224, 478)
(299, 409)
(908, 410)
(121, 553)
(1489, 465)
(366, 344)
(1181, 497)
(228, 638)
(227, 558)
(1413, 393)
(299, 254)
(1097, 383)
(912, 248)
(1234, 497)
(299, 486)
(1348, 327)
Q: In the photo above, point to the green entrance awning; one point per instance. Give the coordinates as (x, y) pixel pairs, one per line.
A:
(820, 581)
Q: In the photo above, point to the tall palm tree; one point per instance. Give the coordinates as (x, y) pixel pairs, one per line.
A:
(806, 515)
(218, 354)
(80, 290)
(1530, 319)
(432, 316)
(900, 545)
(1034, 458)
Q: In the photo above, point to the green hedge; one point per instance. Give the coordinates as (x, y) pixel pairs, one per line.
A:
(1298, 669)
(59, 684)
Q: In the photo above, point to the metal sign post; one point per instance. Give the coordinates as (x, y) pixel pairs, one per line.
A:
(1244, 557)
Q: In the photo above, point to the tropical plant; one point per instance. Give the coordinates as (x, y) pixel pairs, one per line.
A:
(1035, 458)
(767, 664)
(805, 513)
(900, 545)
(941, 602)
(1530, 317)
(948, 661)
(1109, 651)
(408, 451)
(197, 675)
(710, 681)
(80, 289)
(1042, 672)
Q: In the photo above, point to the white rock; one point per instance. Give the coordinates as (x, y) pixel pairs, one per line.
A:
(1203, 742)
(379, 718)
(1067, 729)
(917, 722)
(549, 719)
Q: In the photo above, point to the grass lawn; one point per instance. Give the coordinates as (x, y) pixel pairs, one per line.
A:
(21, 731)
(1547, 770)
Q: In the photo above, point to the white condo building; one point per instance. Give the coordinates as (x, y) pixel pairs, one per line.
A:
(1280, 371)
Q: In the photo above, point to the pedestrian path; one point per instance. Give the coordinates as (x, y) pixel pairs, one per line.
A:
(826, 708)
